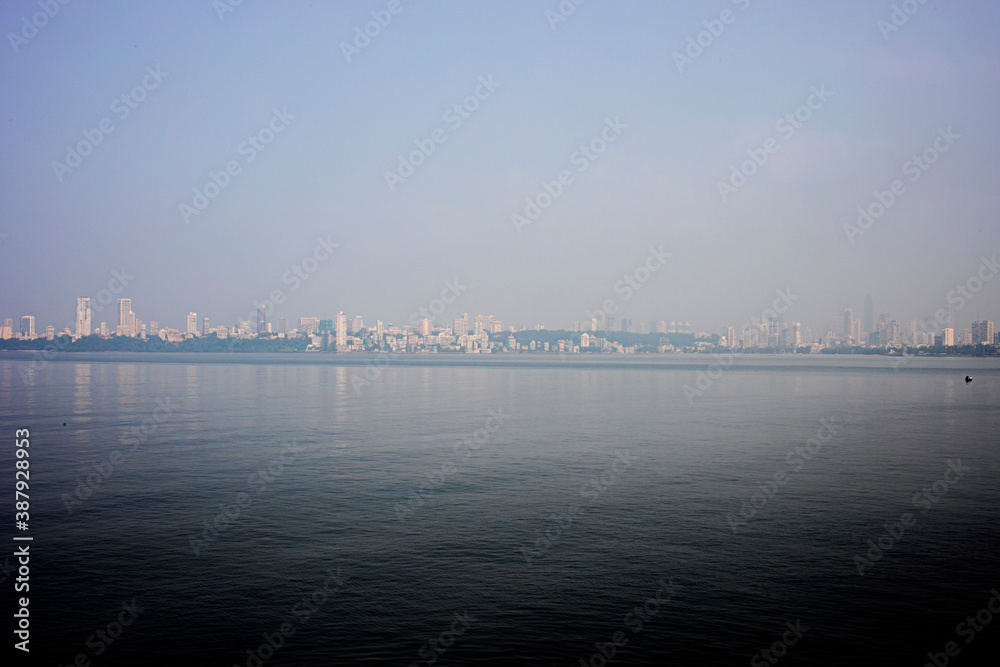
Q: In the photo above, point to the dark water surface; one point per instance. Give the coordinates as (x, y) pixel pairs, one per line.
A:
(600, 487)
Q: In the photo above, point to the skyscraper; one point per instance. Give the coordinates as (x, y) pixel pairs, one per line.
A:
(82, 316)
(124, 318)
(192, 324)
(27, 326)
(261, 320)
(7, 331)
(869, 314)
(982, 332)
(461, 327)
(848, 323)
(204, 326)
(341, 330)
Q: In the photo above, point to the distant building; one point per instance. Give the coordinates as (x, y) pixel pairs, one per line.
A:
(261, 319)
(869, 314)
(82, 316)
(27, 326)
(192, 324)
(982, 332)
(341, 331)
(949, 337)
(204, 327)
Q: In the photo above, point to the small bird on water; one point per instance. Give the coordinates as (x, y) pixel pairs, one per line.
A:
(968, 378)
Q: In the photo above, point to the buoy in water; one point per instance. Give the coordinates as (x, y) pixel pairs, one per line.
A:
(968, 378)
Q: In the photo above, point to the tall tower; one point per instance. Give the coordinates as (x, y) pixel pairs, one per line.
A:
(848, 322)
(82, 316)
(341, 330)
(869, 314)
(124, 318)
(27, 326)
(261, 320)
(192, 324)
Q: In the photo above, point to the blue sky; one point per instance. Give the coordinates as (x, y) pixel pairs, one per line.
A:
(323, 175)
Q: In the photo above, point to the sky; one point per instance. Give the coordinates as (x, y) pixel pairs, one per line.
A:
(120, 118)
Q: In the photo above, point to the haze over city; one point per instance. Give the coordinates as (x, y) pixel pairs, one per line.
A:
(309, 124)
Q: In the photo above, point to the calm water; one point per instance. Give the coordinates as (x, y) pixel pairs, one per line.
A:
(651, 478)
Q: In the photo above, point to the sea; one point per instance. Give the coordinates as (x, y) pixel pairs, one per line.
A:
(315, 509)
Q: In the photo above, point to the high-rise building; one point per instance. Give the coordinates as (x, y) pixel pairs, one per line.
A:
(308, 325)
(869, 314)
(7, 330)
(82, 316)
(380, 327)
(50, 332)
(483, 324)
(949, 337)
(357, 324)
(27, 326)
(105, 330)
(341, 330)
(154, 328)
(461, 327)
(204, 326)
(124, 318)
(982, 332)
(261, 320)
(192, 324)
(282, 326)
(848, 323)
(626, 325)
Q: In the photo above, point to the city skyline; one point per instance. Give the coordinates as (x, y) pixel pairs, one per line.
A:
(770, 330)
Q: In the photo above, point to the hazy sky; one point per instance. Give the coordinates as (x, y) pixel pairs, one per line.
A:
(553, 87)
